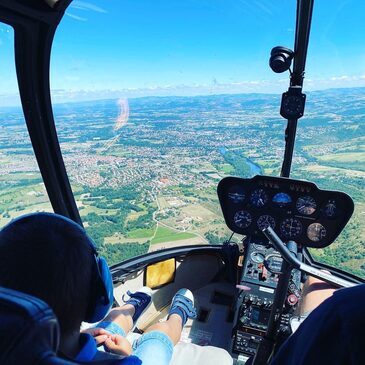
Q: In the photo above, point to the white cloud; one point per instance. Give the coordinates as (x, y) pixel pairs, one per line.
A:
(76, 17)
(83, 5)
(241, 87)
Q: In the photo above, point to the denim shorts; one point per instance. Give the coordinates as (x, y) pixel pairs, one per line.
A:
(151, 348)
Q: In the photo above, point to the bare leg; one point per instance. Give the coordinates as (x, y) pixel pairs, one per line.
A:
(172, 328)
(315, 291)
(122, 316)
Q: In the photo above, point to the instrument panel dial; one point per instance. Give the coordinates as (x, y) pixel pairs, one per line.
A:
(316, 232)
(259, 198)
(306, 205)
(265, 221)
(296, 210)
(236, 194)
(242, 219)
(257, 257)
(291, 227)
(330, 209)
(282, 199)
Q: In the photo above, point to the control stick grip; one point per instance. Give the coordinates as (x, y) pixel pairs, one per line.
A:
(295, 263)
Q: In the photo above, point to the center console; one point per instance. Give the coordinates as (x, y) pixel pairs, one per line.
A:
(256, 298)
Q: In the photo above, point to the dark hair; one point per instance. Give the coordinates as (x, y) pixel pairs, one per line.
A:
(49, 256)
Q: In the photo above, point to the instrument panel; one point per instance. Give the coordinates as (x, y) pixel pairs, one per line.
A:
(296, 210)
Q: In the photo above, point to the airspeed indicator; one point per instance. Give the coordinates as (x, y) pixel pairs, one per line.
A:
(259, 198)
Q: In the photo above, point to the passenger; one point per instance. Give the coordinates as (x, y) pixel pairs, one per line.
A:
(333, 334)
(52, 258)
(112, 331)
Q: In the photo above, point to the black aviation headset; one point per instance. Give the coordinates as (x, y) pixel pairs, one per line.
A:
(101, 298)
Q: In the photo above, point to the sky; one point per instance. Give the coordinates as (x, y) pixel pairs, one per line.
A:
(130, 48)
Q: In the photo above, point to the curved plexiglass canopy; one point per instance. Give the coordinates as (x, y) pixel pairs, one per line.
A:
(155, 102)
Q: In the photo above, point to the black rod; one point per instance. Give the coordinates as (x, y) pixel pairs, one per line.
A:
(33, 42)
(290, 134)
(302, 32)
(34, 28)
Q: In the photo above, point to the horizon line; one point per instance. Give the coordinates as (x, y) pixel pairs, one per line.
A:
(19, 105)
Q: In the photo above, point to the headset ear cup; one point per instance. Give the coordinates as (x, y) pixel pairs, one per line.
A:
(104, 293)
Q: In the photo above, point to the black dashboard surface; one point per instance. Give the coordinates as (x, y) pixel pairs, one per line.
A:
(296, 210)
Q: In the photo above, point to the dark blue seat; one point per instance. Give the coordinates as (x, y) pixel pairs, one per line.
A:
(29, 332)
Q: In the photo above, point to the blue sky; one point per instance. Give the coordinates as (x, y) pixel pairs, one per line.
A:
(112, 48)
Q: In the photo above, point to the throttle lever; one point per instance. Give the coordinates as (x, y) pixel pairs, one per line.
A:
(295, 263)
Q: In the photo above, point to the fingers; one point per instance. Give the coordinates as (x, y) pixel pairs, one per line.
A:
(111, 346)
(118, 345)
(99, 334)
(95, 331)
(100, 339)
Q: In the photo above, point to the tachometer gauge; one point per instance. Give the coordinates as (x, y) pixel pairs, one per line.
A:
(316, 232)
(265, 221)
(259, 198)
(242, 219)
(257, 257)
(236, 194)
(282, 199)
(291, 227)
(306, 205)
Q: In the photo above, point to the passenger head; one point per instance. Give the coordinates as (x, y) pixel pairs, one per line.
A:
(50, 257)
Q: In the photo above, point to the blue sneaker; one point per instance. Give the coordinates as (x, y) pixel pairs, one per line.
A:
(183, 305)
(140, 300)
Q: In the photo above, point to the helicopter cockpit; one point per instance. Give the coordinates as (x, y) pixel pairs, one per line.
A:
(183, 185)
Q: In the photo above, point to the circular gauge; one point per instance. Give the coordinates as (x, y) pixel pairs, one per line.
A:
(291, 227)
(257, 257)
(282, 199)
(330, 209)
(316, 232)
(242, 219)
(236, 194)
(265, 221)
(259, 198)
(306, 205)
(292, 106)
(273, 263)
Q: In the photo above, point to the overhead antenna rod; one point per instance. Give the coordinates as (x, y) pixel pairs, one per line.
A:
(293, 101)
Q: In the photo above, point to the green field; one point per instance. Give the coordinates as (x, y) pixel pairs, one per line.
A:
(141, 233)
(165, 234)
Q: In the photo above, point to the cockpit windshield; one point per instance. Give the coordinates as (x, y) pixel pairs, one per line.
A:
(22, 190)
(156, 101)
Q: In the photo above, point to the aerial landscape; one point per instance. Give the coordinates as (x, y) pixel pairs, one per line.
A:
(144, 171)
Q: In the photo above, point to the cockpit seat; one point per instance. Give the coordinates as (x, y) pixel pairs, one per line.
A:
(29, 332)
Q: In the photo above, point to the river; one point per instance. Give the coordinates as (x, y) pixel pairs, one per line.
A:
(254, 168)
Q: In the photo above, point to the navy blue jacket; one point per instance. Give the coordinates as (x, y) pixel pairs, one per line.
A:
(333, 334)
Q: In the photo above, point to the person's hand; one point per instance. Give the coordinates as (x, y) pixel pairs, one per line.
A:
(118, 345)
(99, 334)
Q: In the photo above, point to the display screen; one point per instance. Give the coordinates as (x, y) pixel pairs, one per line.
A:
(260, 316)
